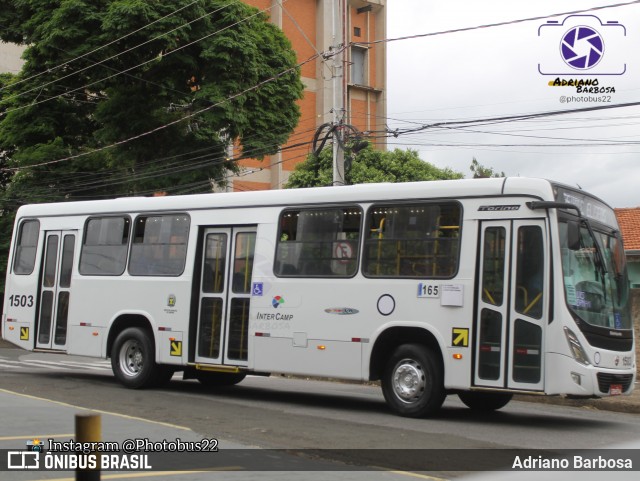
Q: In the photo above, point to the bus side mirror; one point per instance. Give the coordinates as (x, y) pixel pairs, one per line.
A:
(573, 235)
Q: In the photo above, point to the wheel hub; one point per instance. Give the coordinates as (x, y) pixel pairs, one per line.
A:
(408, 381)
(131, 358)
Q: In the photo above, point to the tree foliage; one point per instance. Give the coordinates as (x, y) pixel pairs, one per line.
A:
(369, 166)
(138, 67)
(482, 172)
(178, 76)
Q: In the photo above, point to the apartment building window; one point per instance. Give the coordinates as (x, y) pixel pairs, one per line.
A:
(358, 65)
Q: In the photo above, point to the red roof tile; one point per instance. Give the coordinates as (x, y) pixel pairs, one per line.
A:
(629, 220)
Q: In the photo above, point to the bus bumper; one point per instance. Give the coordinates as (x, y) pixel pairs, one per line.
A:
(586, 381)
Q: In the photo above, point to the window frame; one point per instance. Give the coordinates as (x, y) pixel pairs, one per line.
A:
(85, 232)
(356, 243)
(412, 203)
(132, 243)
(18, 245)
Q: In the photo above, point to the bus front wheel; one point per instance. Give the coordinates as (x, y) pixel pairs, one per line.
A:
(132, 360)
(413, 381)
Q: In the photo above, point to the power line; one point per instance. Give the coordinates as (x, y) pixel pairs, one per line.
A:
(496, 24)
(118, 73)
(121, 53)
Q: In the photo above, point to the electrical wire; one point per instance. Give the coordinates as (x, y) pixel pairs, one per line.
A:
(69, 62)
(496, 24)
(118, 73)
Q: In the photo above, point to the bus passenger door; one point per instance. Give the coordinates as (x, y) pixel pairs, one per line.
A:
(510, 319)
(55, 289)
(225, 294)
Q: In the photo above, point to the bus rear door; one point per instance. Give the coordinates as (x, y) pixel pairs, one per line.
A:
(225, 294)
(55, 290)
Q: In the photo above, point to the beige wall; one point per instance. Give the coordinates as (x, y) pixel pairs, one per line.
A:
(10, 60)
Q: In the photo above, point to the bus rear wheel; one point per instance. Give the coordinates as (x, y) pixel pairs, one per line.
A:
(413, 381)
(485, 401)
(133, 363)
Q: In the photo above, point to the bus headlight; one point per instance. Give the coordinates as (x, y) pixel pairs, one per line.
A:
(576, 348)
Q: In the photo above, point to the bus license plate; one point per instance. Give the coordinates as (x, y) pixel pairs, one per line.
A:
(615, 389)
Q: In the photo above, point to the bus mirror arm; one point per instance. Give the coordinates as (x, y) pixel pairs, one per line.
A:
(539, 204)
(573, 228)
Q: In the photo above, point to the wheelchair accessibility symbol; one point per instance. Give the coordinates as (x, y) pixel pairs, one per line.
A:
(257, 289)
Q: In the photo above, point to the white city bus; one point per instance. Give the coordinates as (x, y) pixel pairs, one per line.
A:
(482, 288)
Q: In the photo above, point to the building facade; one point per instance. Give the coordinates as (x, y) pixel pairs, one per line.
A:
(349, 87)
(629, 220)
(10, 60)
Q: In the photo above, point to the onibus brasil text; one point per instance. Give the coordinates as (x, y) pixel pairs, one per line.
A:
(135, 445)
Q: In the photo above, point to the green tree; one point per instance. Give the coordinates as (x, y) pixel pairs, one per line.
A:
(178, 76)
(482, 172)
(369, 165)
(158, 63)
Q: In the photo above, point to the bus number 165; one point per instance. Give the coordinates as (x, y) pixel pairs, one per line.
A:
(428, 290)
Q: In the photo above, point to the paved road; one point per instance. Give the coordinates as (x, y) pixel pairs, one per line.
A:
(278, 413)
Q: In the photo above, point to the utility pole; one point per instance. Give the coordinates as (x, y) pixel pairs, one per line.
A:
(338, 73)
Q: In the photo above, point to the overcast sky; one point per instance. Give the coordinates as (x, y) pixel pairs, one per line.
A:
(496, 71)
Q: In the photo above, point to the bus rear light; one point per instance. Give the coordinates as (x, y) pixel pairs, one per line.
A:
(576, 348)
(95, 333)
(262, 334)
(11, 320)
(85, 324)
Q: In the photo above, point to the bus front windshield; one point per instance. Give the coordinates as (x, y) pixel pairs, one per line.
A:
(595, 277)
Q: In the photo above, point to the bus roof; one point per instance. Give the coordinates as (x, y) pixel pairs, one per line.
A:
(440, 189)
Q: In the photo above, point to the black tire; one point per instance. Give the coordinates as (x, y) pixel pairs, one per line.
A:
(133, 360)
(485, 401)
(413, 381)
(218, 379)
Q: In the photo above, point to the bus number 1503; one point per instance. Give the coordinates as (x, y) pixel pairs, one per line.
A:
(21, 301)
(428, 290)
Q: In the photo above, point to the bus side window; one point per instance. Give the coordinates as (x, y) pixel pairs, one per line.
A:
(25, 255)
(159, 246)
(105, 245)
(413, 240)
(318, 242)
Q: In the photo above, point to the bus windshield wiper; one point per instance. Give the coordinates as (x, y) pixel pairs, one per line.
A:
(598, 258)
